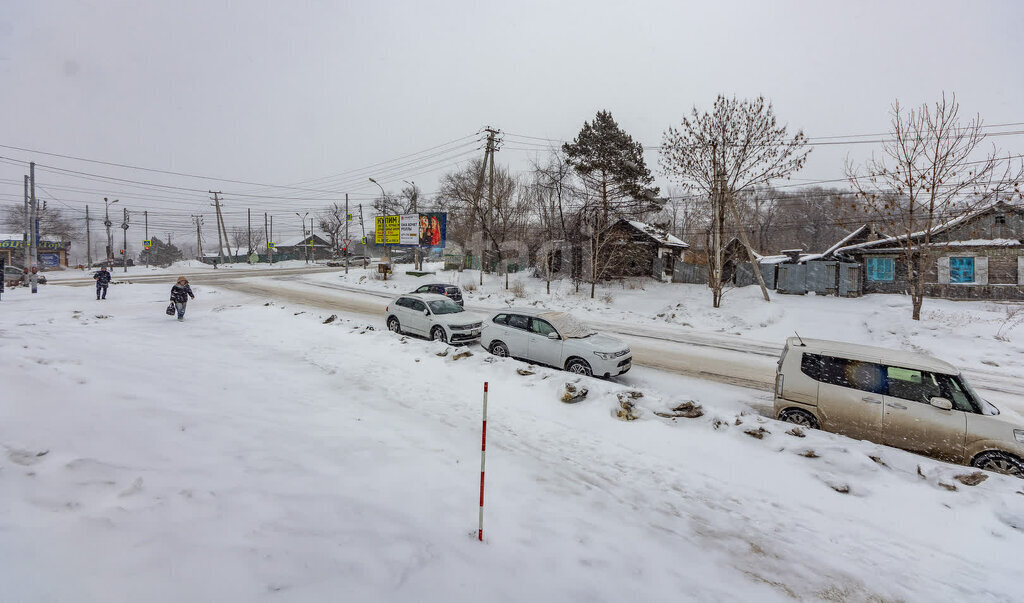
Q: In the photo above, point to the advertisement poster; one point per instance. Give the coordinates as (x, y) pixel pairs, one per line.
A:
(424, 230)
(409, 229)
(50, 260)
(432, 229)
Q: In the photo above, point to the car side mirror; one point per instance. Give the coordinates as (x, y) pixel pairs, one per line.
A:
(554, 336)
(941, 403)
(426, 312)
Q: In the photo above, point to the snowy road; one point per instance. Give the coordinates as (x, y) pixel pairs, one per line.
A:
(724, 358)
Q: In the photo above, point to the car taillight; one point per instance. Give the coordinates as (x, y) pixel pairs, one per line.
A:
(779, 378)
(387, 308)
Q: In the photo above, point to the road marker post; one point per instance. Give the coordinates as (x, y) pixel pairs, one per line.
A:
(483, 458)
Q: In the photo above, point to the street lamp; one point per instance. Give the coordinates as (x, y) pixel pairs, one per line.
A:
(108, 224)
(303, 218)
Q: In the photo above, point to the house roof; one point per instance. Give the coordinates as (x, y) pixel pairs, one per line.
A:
(317, 242)
(938, 229)
(21, 236)
(660, 235)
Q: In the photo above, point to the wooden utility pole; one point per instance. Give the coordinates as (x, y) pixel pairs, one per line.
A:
(362, 227)
(88, 240)
(347, 254)
(266, 235)
(220, 224)
(248, 213)
(488, 156)
(124, 242)
(198, 221)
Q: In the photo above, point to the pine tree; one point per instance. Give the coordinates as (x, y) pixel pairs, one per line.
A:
(160, 254)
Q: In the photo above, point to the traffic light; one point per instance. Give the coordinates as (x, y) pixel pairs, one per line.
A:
(122, 252)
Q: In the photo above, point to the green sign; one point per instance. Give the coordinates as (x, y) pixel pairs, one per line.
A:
(147, 242)
(272, 245)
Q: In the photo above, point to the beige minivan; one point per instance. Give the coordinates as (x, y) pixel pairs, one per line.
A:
(903, 399)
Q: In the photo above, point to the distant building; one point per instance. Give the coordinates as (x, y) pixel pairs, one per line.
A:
(977, 256)
(53, 252)
(634, 248)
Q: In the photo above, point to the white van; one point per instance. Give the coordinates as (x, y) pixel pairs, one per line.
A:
(904, 399)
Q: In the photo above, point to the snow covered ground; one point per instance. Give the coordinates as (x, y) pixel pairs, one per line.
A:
(183, 267)
(254, 453)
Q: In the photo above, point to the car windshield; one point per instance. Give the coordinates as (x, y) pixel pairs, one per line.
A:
(444, 306)
(567, 325)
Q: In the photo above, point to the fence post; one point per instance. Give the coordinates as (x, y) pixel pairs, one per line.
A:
(483, 458)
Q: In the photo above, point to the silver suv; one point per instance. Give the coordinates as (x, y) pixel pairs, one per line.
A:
(555, 339)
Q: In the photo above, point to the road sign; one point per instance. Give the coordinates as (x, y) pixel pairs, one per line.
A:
(272, 245)
(348, 217)
(147, 242)
(364, 240)
(346, 242)
(124, 225)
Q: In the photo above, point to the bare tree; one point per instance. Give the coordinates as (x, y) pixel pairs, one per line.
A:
(931, 171)
(332, 223)
(52, 222)
(731, 150)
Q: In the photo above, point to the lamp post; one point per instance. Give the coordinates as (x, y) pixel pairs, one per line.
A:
(108, 224)
(383, 200)
(303, 218)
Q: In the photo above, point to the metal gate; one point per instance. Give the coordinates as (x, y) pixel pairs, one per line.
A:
(792, 279)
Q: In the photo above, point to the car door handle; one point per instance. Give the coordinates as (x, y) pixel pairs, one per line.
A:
(894, 405)
(871, 400)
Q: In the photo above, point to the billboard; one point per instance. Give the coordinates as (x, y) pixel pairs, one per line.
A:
(424, 230)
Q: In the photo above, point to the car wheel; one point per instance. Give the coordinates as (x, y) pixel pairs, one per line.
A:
(800, 417)
(393, 325)
(437, 334)
(499, 349)
(999, 462)
(579, 366)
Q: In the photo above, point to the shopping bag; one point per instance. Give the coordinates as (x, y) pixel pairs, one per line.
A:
(170, 309)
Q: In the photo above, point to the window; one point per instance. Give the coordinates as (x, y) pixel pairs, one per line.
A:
(501, 319)
(844, 372)
(541, 327)
(423, 289)
(879, 269)
(911, 384)
(1000, 220)
(955, 392)
(961, 270)
(517, 321)
(417, 305)
(405, 302)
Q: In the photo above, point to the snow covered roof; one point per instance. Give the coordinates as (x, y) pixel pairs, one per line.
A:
(967, 243)
(21, 236)
(317, 242)
(660, 235)
(938, 229)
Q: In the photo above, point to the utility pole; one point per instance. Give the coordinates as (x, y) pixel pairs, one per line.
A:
(347, 254)
(28, 235)
(303, 218)
(108, 224)
(488, 156)
(362, 227)
(198, 221)
(145, 214)
(124, 250)
(312, 250)
(34, 206)
(88, 240)
(248, 212)
(271, 238)
(266, 236)
(220, 242)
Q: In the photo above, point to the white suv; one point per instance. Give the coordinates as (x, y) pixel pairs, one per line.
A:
(433, 316)
(555, 339)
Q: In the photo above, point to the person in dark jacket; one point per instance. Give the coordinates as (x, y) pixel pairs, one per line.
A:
(180, 293)
(102, 281)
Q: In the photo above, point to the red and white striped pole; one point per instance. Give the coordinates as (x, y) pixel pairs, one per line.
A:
(483, 458)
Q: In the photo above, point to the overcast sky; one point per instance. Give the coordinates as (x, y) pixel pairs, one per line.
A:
(308, 93)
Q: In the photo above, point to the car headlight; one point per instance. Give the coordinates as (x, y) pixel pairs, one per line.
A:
(1019, 435)
(605, 355)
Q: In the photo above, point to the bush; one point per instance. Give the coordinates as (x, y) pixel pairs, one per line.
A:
(607, 298)
(518, 288)
(470, 286)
